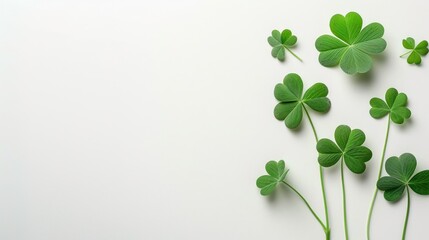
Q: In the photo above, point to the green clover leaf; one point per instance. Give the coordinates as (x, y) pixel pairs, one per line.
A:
(281, 42)
(416, 52)
(353, 46)
(276, 174)
(395, 105)
(292, 101)
(401, 170)
(347, 146)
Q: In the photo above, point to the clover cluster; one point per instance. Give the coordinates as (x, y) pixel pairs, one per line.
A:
(352, 48)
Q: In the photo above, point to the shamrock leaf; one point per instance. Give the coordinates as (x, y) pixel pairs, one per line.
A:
(353, 46)
(395, 105)
(347, 146)
(292, 102)
(281, 42)
(276, 174)
(401, 170)
(416, 52)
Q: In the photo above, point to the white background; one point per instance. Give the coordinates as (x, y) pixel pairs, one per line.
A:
(152, 120)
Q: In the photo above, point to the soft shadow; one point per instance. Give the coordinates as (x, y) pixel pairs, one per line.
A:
(284, 191)
(407, 124)
(372, 167)
(364, 78)
(367, 79)
(381, 58)
(334, 170)
(272, 197)
(364, 176)
(297, 130)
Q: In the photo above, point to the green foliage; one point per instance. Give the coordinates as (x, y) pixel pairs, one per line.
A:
(416, 52)
(395, 106)
(353, 46)
(292, 101)
(281, 42)
(348, 145)
(276, 174)
(401, 170)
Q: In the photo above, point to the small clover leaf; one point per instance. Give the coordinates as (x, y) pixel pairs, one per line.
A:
(416, 52)
(353, 46)
(292, 101)
(395, 105)
(420, 183)
(276, 174)
(401, 170)
(348, 145)
(281, 42)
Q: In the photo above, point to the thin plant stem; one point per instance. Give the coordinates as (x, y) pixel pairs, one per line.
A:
(311, 123)
(322, 179)
(307, 204)
(380, 171)
(405, 54)
(346, 229)
(293, 54)
(407, 214)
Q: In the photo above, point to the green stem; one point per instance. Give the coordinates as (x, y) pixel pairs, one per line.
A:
(322, 179)
(407, 214)
(311, 123)
(346, 229)
(322, 182)
(307, 204)
(380, 171)
(403, 55)
(293, 54)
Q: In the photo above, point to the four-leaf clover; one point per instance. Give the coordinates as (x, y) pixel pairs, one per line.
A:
(348, 146)
(276, 174)
(395, 105)
(353, 46)
(401, 170)
(416, 52)
(292, 102)
(281, 42)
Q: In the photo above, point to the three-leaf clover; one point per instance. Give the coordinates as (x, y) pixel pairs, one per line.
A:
(281, 42)
(353, 46)
(416, 52)
(348, 146)
(292, 102)
(276, 174)
(401, 170)
(395, 105)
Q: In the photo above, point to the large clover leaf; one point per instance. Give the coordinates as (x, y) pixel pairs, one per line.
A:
(401, 170)
(348, 145)
(353, 46)
(276, 174)
(282, 42)
(395, 105)
(292, 102)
